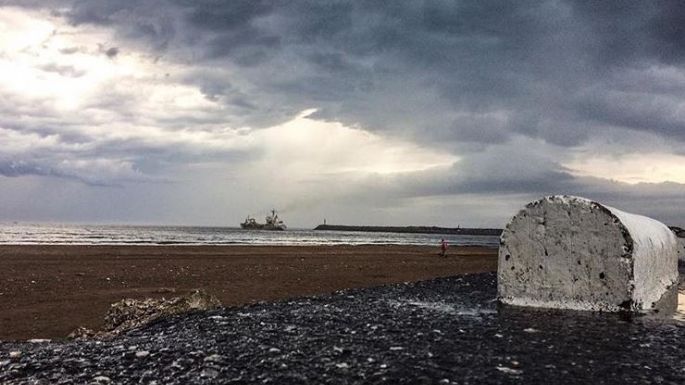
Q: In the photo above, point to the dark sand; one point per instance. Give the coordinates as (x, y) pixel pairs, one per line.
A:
(48, 291)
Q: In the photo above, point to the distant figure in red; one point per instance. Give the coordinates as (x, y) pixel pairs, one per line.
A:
(443, 248)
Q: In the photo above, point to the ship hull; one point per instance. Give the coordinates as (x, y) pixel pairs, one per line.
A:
(261, 227)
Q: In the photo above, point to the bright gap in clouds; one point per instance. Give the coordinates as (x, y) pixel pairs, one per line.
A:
(43, 58)
(307, 147)
(632, 168)
(126, 100)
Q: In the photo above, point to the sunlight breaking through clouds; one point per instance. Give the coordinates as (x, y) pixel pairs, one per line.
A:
(113, 97)
(633, 168)
(307, 146)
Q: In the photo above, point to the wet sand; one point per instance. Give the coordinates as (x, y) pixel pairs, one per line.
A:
(48, 291)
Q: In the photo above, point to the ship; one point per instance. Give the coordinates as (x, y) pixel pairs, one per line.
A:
(272, 223)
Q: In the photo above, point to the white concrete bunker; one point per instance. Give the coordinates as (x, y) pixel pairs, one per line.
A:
(573, 253)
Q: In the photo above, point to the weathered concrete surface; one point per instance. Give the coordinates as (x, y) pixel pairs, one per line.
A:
(573, 253)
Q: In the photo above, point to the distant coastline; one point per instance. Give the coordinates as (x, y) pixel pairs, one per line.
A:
(411, 229)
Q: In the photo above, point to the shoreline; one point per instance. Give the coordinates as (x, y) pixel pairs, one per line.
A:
(46, 291)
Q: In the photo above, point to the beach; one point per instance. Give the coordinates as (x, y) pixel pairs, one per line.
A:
(46, 291)
(439, 331)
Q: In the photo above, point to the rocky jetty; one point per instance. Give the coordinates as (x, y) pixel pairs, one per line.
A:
(443, 331)
(412, 229)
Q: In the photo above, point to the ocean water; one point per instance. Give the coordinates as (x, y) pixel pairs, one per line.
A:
(164, 235)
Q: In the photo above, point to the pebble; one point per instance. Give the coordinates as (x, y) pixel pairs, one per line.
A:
(507, 370)
(38, 341)
(214, 358)
(209, 373)
(142, 353)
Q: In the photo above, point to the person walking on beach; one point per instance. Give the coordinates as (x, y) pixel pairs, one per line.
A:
(443, 248)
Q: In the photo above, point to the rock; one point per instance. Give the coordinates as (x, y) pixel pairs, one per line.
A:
(82, 333)
(129, 314)
(216, 358)
(574, 253)
(507, 370)
(209, 373)
(678, 231)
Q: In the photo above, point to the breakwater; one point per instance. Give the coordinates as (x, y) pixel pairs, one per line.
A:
(412, 229)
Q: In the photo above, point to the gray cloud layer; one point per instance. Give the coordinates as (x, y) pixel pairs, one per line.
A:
(555, 70)
(473, 78)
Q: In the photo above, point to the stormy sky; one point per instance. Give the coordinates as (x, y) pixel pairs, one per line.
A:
(362, 112)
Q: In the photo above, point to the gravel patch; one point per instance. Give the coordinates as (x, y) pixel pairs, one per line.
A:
(442, 331)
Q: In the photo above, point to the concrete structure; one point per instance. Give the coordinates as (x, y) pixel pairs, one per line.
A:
(680, 235)
(572, 253)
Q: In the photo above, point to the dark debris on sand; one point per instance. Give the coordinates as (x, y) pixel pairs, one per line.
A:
(441, 331)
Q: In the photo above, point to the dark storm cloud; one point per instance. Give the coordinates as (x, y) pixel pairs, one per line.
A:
(436, 71)
(470, 77)
(13, 168)
(530, 61)
(625, 31)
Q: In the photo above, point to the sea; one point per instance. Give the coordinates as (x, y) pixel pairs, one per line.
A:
(72, 234)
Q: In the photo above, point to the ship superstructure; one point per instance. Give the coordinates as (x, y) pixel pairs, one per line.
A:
(273, 222)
